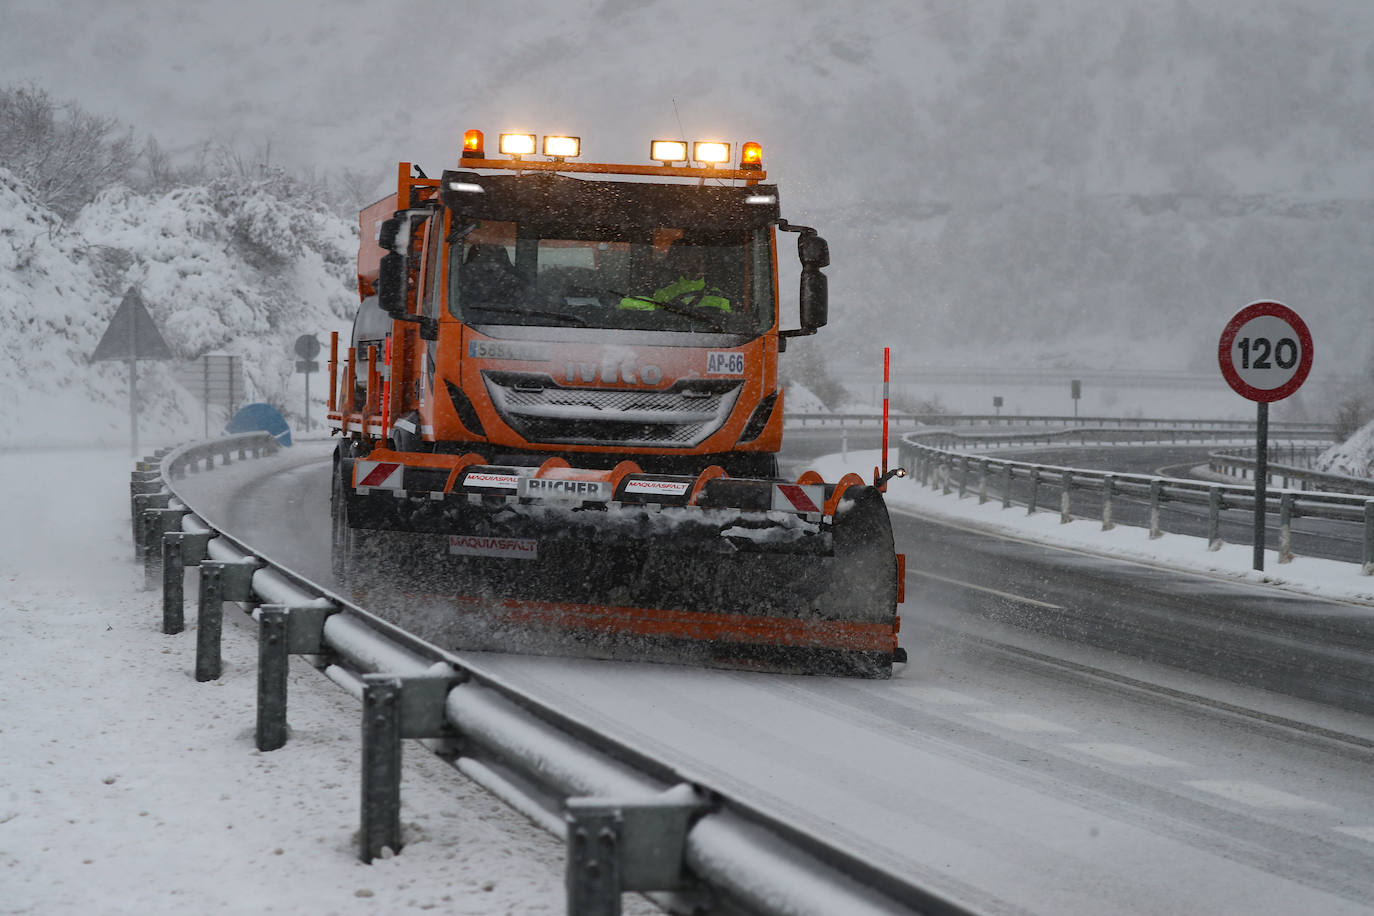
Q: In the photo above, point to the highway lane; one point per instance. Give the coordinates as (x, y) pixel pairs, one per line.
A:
(1019, 768)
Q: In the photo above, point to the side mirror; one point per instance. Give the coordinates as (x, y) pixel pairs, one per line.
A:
(813, 299)
(391, 284)
(389, 229)
(812, 250)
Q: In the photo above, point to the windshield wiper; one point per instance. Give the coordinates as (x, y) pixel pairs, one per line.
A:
(689, 314)
(503, 310)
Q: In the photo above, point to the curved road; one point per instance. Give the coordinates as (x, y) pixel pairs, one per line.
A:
(1007, 767)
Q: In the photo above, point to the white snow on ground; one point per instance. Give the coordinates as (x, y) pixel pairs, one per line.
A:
(1326, 578)
(128, 787)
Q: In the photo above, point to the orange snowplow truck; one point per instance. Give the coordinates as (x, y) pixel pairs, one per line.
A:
(559, 418)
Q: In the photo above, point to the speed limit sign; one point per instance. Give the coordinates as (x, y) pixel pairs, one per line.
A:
(1265, 352)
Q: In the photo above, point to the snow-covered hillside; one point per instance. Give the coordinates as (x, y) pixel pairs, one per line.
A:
(987, 173)
(239, 266)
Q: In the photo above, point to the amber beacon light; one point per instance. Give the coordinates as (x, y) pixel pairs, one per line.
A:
(472, 145)
(751, 156)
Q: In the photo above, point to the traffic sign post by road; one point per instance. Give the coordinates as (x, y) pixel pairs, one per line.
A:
(131, 336)
(307, 348)
(1265, 354)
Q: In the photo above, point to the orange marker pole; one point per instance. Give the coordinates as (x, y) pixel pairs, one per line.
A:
(333, 369)
(887, 374)
(386, 391)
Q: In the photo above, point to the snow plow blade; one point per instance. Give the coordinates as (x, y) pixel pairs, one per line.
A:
(710, 570)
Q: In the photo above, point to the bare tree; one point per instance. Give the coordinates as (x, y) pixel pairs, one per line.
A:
(65, 154)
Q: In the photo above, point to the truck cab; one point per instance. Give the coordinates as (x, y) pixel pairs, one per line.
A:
(628, 314)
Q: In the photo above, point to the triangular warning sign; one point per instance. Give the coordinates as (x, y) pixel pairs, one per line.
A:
(132, 334)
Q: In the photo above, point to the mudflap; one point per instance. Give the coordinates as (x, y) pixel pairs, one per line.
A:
(656, 599)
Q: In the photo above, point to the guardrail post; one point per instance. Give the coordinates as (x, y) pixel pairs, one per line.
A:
(945, 462)
(210, 621)
(156, 523)
(1034, 491)
(593, 875)
(152, 547)
(982, 481)
(1064, 516)
(1006, 486)
(963, 475)
(219, 582)
(381, 803)
(1368, 567)
(1214, 518)
(1286, 528)
(173, 584)
(283, 631)
(273, 663)
(140, 502)
(1156, 494)
(618, 845)
(844, 443)
(1108, 489)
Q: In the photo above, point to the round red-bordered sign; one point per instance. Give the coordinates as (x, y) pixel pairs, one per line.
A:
(1265, 351)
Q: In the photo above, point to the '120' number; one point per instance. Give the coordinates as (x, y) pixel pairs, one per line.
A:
(1285, 353)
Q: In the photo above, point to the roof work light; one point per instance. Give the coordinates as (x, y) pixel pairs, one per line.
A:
(668, 151)
(517, 145)
(557, 147)
(712, 152)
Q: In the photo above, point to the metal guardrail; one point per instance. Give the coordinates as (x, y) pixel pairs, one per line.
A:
(1241, 464)
(932, 460)
(631, 822)
(941, 420)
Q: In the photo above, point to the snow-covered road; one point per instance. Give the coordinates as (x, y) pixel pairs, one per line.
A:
(1008, 780)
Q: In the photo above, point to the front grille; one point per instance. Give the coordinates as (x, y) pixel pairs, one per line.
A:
(542, 411)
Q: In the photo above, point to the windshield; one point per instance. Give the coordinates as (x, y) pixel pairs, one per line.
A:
(661, 279)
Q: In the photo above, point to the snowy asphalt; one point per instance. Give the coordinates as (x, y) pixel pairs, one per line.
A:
(1010, 768)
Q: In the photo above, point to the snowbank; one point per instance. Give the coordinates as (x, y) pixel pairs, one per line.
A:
(128, 787)
(1353, 457)
(1308, 575)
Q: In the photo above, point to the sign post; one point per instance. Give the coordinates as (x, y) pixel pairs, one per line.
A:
(307, 348)
(1265, 354)
(131, 336)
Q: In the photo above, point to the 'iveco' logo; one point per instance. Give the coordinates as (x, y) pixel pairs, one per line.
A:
(610, 373)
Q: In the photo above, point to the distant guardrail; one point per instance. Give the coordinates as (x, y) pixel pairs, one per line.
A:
(1241, 464)
(632, 822)
(934, 459)
(992, 422)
